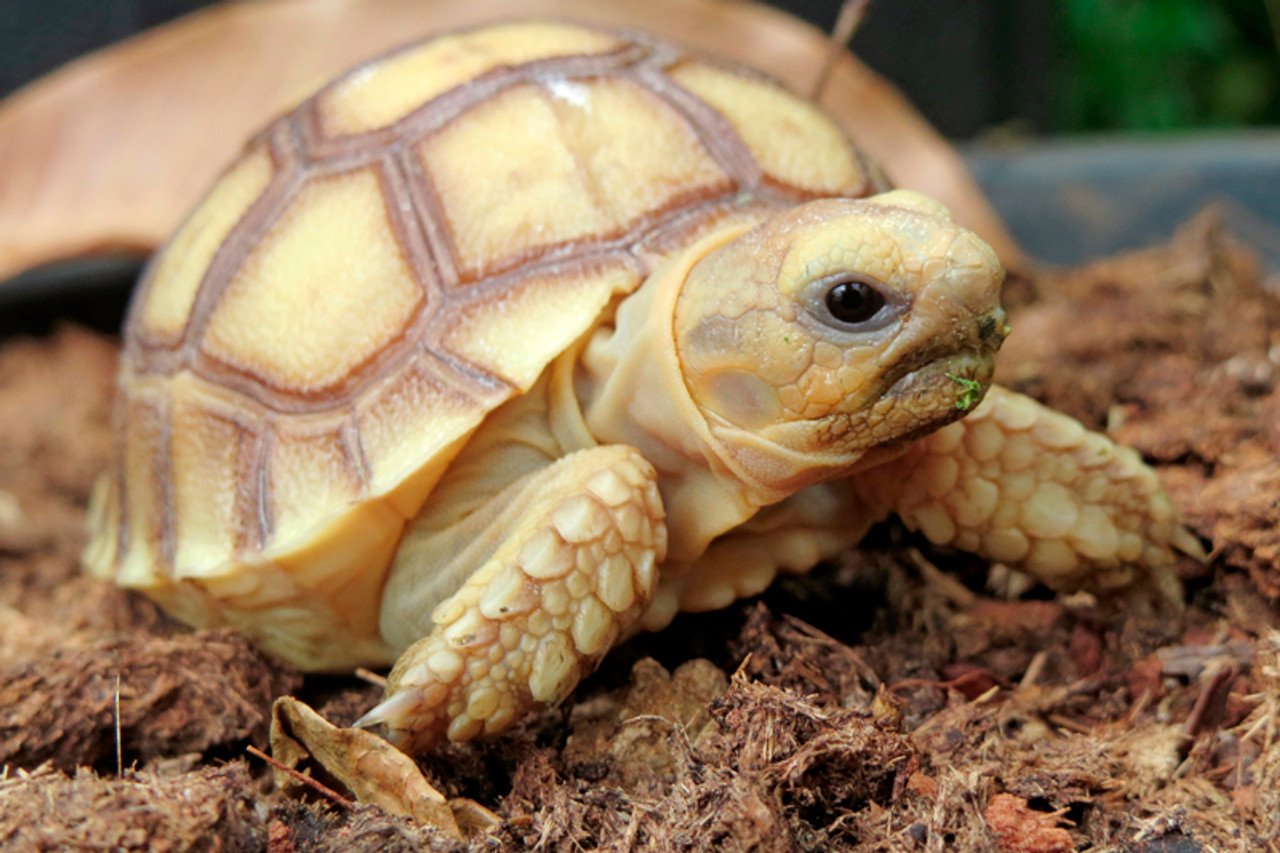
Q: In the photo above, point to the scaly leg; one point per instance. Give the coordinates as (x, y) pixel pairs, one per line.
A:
(791, 537)
(548, 574)
(1021, 484)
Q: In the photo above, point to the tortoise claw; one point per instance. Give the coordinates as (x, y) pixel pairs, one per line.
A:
(1185, 541)
(393, 710)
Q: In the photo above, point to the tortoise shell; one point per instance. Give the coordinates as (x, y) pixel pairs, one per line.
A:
(381, 268)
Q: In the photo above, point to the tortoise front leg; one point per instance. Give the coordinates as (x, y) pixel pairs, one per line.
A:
(1021, 484)
(552, 570)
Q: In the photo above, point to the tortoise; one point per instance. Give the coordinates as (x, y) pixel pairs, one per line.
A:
(513, 343)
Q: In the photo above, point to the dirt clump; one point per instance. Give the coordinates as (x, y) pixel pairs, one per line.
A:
(152, 697)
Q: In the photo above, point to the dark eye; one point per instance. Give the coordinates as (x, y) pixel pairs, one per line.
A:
(854, 302)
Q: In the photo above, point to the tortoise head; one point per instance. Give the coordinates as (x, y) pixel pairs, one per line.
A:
(835, 332)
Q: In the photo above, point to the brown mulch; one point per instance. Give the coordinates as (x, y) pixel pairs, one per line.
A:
(893, 701)
(212, 808)
(156, 697)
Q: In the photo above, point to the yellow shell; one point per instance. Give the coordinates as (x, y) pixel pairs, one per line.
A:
(384, 266)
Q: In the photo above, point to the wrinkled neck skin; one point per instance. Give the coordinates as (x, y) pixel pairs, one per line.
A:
(631, 389)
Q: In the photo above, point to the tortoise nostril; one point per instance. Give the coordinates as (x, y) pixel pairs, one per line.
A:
(993, 328)
(986, 327)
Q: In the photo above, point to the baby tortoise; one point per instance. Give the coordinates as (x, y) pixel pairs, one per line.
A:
(513, 343)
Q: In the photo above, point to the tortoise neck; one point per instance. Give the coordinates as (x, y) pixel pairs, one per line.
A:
(631, 390)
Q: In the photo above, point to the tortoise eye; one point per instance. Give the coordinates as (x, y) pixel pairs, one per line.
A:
(853, 301)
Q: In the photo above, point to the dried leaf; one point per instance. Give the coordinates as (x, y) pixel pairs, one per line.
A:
(373, 770)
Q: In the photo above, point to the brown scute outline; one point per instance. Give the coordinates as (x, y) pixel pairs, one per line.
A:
(495, 288)
(253, 434)
(256, 520)
(430, 214)
(248, 232)
(394, 353)
(715, 131)
(254, 510)
(550, 264)
(687, 225)
(119, 435)
(549, 255)
(140, 351)
(162, 468)
(357, 461)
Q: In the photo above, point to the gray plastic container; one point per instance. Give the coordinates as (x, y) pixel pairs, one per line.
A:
(1080, 198)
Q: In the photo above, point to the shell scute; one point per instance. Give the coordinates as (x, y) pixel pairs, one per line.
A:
(311, 466)
(324, 290)
(794, 142)
(180, 269)
(639, 154)
(602, 154)
(144, 507)
(386, 91)
(534, 310)
(211, 454)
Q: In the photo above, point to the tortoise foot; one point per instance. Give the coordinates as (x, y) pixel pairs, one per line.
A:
(1029, 487)
(574, 569)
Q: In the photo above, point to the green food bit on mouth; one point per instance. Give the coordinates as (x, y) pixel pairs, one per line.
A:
(970, 392)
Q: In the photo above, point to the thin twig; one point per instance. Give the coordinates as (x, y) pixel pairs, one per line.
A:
(371, 676)
(851, 13)
(1136, 710)
(1207, 713)
(1264, 720)
(320, 788)
(1273, 13)
(20, 776)
(1034, 670)
(942, 583)
(1070, 724)
(986, 697)
(119, 749)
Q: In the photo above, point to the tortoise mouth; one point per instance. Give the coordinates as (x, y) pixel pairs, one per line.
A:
(963, 371)
(956, 375)
(943, 390)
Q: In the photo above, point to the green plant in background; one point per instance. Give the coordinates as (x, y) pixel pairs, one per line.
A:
(1162, 64)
